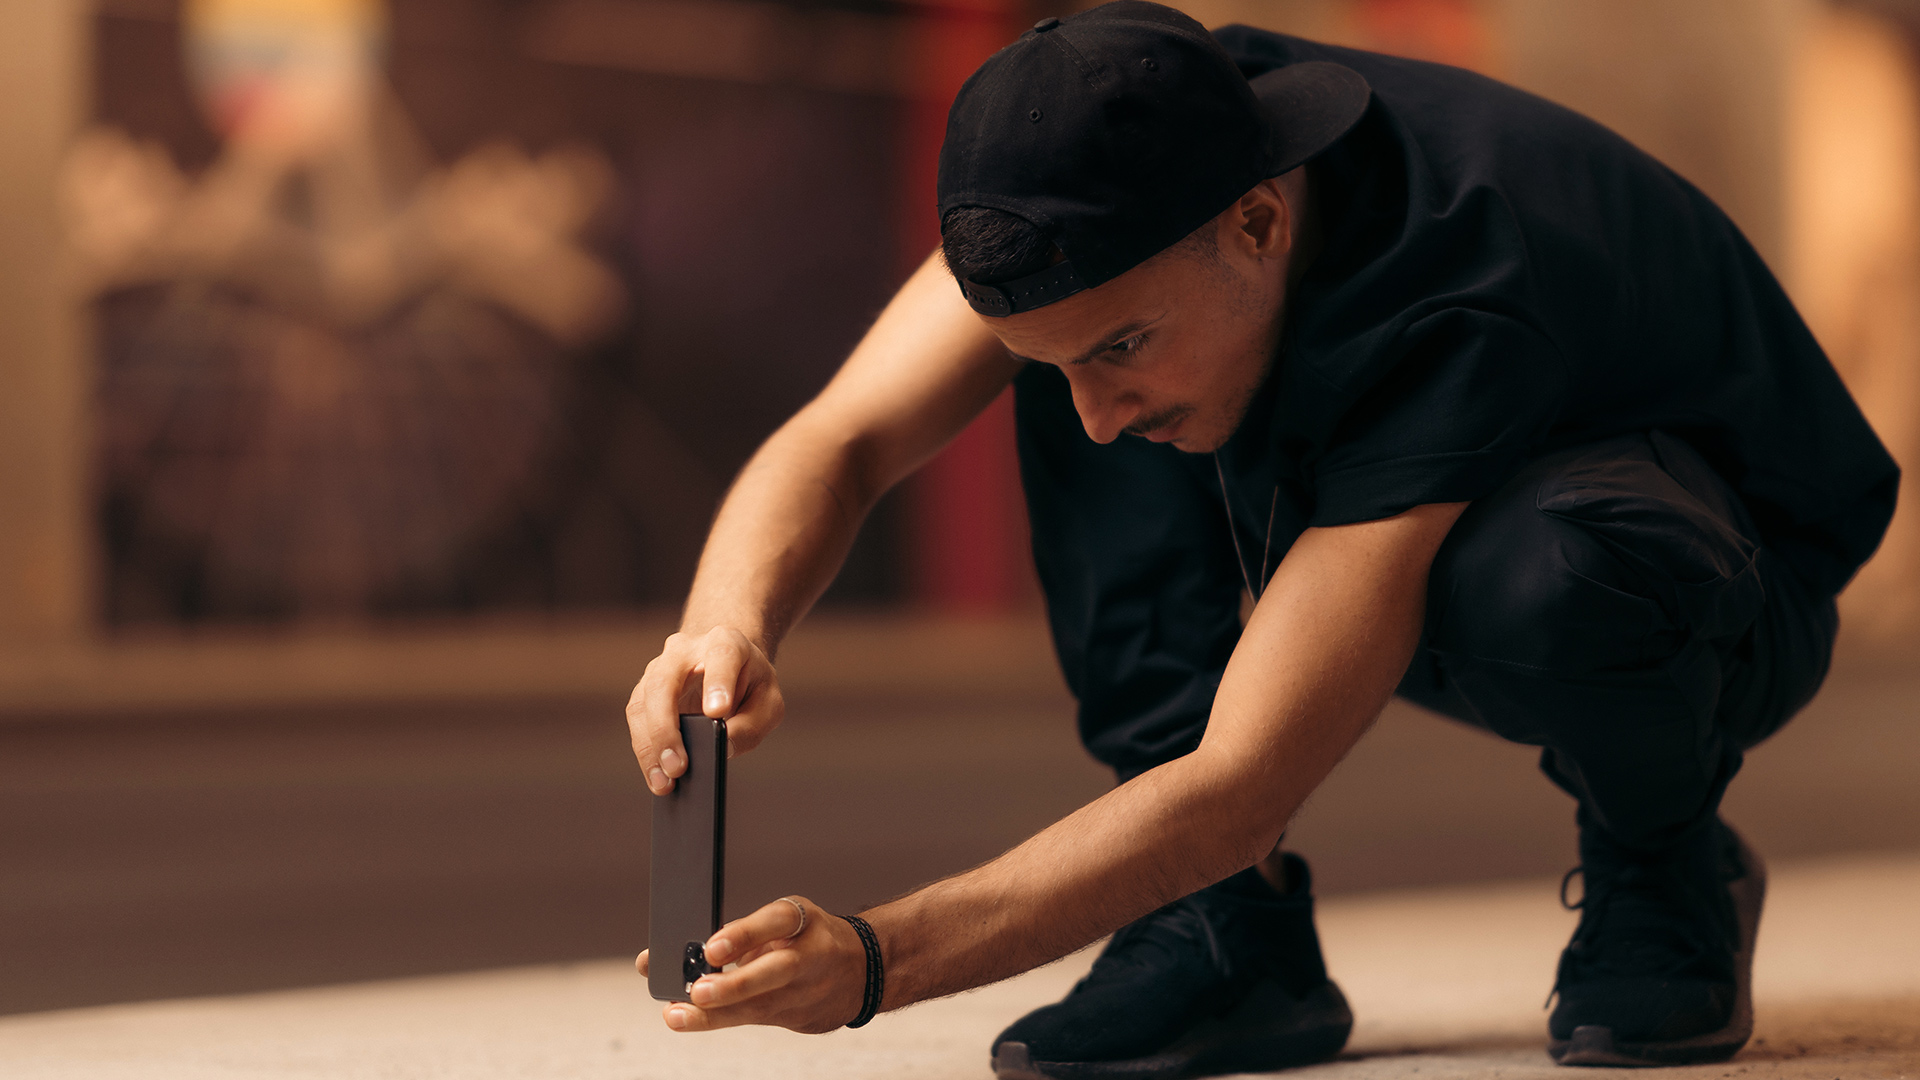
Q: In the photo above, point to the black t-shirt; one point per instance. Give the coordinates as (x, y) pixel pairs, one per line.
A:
(1502, 278)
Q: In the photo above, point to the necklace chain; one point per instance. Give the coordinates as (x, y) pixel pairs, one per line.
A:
(1233, 532)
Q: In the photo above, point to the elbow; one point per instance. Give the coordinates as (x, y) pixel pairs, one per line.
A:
(845, 464)
(1255, 842)
(864, 462)
(868, 470)
(1265, 809)
(1247, 817)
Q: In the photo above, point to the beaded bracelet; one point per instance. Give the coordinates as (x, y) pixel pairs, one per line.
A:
(876, 974)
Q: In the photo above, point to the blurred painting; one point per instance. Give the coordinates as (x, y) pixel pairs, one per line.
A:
(395, 315)
(425, 306)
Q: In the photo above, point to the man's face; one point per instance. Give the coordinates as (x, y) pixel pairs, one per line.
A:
(1172, 350)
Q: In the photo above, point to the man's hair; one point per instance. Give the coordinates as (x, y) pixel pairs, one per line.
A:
(987, 245)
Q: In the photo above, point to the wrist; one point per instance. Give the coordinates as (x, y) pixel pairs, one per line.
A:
(755, 630)
(873, 970)
(894, 935)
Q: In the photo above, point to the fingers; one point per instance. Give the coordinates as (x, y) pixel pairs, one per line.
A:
(653, 716)
(721, 673)
(723, 661)
(749, 994)
(770, 972)
(810, 983)
(777, 921)
(683, 1017)
(763, 710)
(640, 962)
(740, 686)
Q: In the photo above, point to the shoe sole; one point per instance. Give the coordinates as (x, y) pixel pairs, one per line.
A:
(1244, 1039)
(1593, 1044)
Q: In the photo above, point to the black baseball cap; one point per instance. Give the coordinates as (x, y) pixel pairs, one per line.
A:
(1120, 130)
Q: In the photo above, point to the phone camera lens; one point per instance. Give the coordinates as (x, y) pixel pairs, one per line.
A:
(695, 964)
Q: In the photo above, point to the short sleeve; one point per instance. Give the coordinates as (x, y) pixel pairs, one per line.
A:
(1470, 399)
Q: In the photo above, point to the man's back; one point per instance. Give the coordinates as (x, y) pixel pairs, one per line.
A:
(1503, 277)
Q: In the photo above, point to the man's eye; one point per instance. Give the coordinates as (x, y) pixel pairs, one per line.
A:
(1128, 345)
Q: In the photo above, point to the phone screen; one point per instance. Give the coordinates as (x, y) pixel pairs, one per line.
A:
(687, 876)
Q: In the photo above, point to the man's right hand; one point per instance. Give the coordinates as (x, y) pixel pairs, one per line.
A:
(720, 673)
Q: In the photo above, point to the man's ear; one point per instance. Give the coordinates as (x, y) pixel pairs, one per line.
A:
(1264, 216)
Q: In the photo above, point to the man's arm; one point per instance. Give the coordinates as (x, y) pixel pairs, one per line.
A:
(924, 370)
(1323, 651)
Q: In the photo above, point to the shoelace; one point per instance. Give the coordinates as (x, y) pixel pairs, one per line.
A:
(1653, 923)
(1173, 929)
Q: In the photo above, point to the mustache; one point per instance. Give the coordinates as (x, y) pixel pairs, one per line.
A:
(1164, 418)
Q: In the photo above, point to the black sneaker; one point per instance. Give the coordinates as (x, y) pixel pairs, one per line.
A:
(1227, 980)
(1659, 970)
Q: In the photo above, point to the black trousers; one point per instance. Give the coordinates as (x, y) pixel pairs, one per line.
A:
(1612, 604)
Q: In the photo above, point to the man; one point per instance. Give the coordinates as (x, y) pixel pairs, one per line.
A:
(1478, 402)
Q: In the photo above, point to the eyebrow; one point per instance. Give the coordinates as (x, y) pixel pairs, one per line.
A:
(1111, 338)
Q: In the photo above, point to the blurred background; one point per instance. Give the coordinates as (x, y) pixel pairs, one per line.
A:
(370, 371)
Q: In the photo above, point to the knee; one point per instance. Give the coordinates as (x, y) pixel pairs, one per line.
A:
(1602, 560)
(1518, 586)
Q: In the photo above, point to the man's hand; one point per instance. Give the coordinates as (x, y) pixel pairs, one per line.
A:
(721, 673)
(811, 982)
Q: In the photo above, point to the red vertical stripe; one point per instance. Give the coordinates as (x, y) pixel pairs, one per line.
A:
(968, 533)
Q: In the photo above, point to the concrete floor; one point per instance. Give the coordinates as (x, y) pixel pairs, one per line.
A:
(151, 855)
(1445, 983)
(248, 852)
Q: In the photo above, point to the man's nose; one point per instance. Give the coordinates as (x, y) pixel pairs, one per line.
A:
(1104, 412)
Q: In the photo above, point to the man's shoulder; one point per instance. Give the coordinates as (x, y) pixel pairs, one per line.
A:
(1455, 182)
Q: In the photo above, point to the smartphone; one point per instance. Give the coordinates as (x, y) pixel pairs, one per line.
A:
(689, 858)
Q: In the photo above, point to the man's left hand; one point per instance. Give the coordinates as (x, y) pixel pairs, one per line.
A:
(811, 982)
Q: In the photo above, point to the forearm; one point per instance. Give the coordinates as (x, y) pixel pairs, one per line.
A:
(1320, 657)
(924, 370)
(1167, 833)
(1079, 879)
(780, 536)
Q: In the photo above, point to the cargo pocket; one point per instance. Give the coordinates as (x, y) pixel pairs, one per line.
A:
(1667, 519)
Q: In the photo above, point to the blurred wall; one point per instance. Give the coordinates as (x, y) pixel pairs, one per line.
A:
(1852, 209)
(1701, 85)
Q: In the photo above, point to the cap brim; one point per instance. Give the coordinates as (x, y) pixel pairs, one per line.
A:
(1308, 107)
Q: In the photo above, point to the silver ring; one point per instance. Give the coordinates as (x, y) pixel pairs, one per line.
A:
(802, 928)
